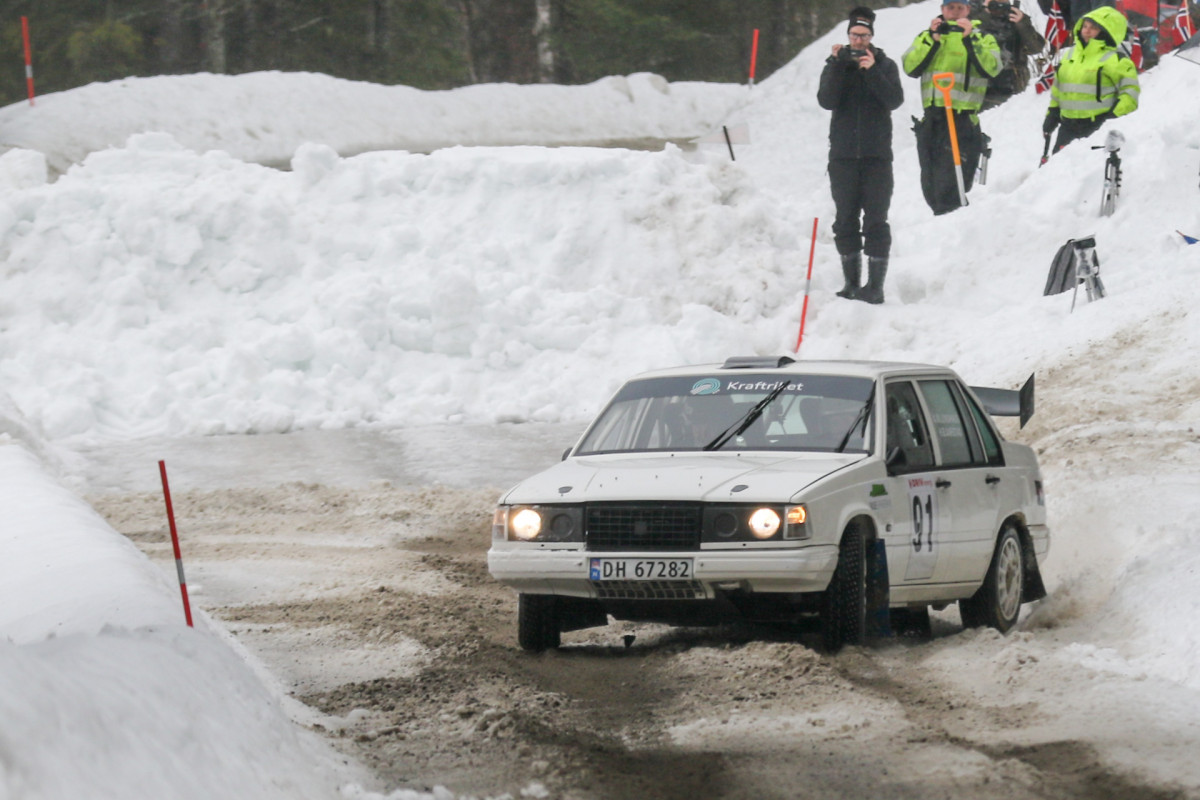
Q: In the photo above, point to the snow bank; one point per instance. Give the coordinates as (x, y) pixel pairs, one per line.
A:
(156, 290)
(103, 688)
(263, 117)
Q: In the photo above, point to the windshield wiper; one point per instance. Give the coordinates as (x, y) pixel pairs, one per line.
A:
(861, 418)
(739, 427)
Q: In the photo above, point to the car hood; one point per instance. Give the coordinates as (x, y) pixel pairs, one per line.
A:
(710, 477)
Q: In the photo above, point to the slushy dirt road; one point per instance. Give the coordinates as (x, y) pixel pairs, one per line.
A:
(373, 606)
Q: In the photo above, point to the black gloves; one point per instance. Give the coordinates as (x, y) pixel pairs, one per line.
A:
(1053, 117)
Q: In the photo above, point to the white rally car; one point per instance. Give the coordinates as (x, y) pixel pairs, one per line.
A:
(770, 489)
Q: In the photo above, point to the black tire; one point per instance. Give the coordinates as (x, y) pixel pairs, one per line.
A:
(997, 604)
(844, 607)
(537, 622)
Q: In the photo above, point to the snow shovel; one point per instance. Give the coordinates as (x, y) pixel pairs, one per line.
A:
(945, 90)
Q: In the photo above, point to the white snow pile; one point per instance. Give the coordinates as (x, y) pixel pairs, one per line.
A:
(264, 116)
(167, 283)
(104, 692)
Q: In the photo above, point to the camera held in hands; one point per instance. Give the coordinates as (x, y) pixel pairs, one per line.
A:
(999, 9)
(851, 54)
(945, 27)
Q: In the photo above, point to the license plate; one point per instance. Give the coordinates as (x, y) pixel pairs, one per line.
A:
(640, 569)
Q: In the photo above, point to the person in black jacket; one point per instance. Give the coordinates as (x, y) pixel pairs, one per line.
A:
(1013, 30)
(861, 85)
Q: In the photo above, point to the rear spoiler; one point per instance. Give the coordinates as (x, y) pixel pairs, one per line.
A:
(1007, 402)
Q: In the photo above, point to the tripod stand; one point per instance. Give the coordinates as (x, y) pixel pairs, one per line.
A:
(1087, 270)
(1112, 173)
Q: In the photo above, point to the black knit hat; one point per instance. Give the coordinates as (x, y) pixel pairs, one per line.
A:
(861, 15)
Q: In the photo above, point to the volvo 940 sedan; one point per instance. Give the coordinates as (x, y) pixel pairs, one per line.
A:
(768, 489)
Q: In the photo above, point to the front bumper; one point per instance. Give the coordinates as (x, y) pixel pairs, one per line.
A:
(565, 572)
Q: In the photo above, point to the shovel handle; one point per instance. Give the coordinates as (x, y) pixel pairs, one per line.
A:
(948, 77)
(945, 90)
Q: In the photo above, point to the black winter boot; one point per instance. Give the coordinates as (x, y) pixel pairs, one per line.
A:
(876, 272)
(852, 269)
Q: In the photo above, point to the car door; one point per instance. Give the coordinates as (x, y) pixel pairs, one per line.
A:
(968, 481)
(919, 516)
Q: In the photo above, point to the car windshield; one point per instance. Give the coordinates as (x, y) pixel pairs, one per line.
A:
(818, 413)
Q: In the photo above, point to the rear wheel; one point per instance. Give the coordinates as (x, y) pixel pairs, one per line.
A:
(997, 604)
(537, 622)
(844, 609)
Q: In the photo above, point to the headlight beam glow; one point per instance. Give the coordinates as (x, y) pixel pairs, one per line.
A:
(526, 524)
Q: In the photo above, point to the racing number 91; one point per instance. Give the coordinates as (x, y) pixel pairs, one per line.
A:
(924, 514)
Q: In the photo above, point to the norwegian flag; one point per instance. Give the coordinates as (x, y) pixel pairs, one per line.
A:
(1183, 21)
(1056, 29)
(1056, 37)
(1046, 79)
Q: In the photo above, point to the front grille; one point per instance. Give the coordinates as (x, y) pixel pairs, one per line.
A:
(642, 526)
(649, 590)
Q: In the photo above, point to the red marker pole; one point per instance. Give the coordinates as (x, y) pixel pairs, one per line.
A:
(753, 56)
(28, 57)
(187, 607)
(807, 285)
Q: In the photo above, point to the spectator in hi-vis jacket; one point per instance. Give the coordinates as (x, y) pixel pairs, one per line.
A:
(1094, 82)
(952, 45)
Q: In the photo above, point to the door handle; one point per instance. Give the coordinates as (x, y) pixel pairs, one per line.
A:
(991, 480)
(942, 483)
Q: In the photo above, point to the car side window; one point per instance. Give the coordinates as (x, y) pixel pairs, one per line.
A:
(906, 429)
(991, 445)
(957, 439)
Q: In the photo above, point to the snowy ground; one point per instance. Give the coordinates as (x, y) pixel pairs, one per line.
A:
(160, 288)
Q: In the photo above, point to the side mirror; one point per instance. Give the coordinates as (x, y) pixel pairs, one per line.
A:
(566, 453)
(895, 458)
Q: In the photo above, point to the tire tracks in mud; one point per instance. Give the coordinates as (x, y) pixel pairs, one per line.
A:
(1057, 769)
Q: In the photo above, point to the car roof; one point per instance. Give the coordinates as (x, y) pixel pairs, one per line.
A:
(785, 365)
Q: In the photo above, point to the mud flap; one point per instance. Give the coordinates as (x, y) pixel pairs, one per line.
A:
(1034, 588)
(879, 623)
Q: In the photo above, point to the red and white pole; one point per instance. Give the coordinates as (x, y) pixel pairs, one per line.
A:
(812, 248)
(187, 607)
(28, 57)
(753, 56)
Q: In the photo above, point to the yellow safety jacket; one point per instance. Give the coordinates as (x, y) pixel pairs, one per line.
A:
(1094, 78)
(972, 59)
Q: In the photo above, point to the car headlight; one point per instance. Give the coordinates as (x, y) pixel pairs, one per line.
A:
(764, 523)
(730, 523)
(538, 523)
(526, 524)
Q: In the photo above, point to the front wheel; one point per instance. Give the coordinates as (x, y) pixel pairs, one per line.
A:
(844, 609)
(997, 604)
(537, 622)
